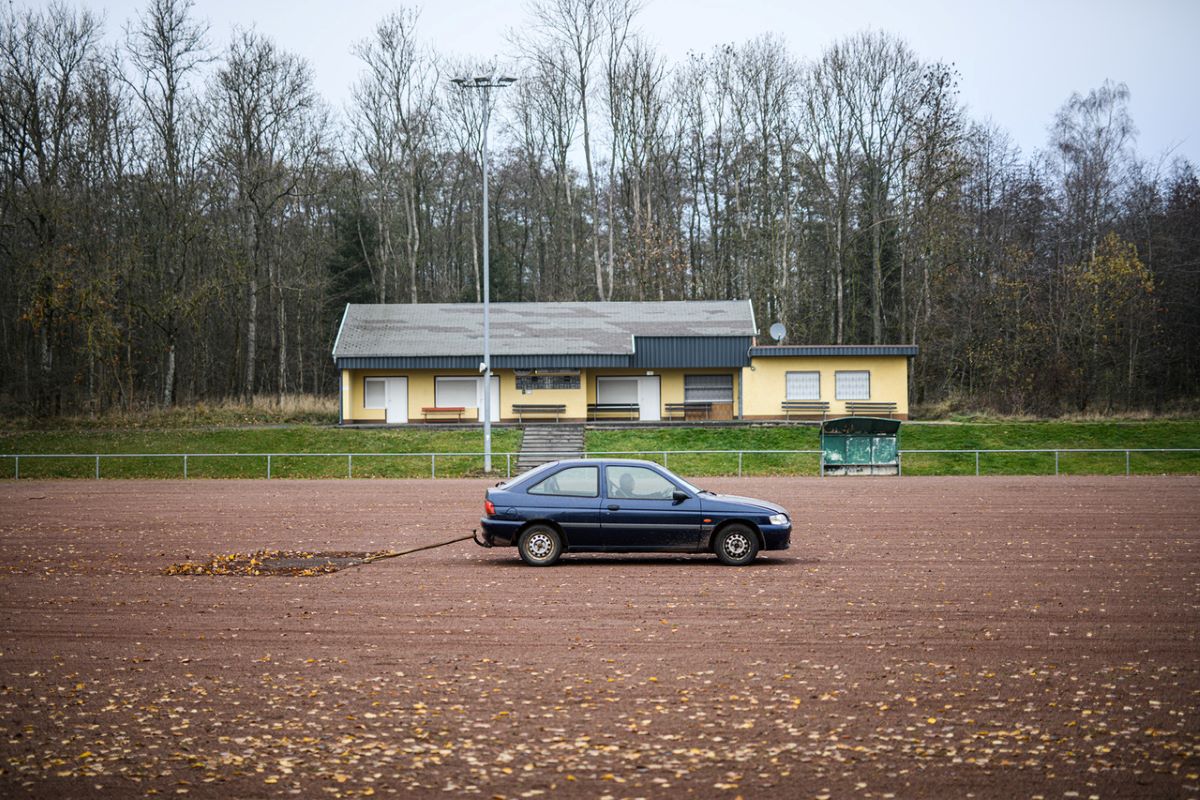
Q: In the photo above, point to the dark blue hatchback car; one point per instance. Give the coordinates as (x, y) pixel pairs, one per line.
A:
(624, 506)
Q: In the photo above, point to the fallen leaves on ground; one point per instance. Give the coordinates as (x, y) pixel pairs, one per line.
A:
(293, 563)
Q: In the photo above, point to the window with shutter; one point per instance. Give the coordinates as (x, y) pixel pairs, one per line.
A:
(853, 385)
(803, 386)
(708, 388)
(456, 392)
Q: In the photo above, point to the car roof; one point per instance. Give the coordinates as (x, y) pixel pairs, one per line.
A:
(570, 462)
(591, 462)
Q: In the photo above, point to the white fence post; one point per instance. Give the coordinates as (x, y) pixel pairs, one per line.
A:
(268, 466)
(97, 467)
(185, 455)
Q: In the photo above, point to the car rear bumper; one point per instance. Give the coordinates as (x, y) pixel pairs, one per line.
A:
(776, 537)
(499, 532)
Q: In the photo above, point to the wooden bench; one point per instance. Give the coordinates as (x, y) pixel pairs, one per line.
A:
(697, 407)
(439, 411)
(805, 407)
(523, 410)
(629, 410)
(870, 409)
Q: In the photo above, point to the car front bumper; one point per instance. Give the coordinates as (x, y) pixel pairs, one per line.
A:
(776, 537)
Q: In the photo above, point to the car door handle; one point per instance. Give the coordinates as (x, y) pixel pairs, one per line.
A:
(614, 507)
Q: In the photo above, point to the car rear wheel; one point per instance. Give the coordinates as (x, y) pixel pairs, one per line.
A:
(736, 545)
(540, 546)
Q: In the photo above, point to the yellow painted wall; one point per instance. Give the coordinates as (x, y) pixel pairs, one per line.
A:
(670, 382)
(421, 393)
(764, 386)
(575, 400)
(766, 381)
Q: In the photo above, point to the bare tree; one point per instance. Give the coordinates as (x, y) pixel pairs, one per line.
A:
(545, 105)
(395, 103)
(165, 48)
(832, 165)
(46, 58)
(883, 88)
(268, 130)
(1091, 138)
(585, 31)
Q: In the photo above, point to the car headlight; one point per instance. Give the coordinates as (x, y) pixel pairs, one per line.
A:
(778, 519)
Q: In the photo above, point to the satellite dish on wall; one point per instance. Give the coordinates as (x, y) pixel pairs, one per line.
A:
(778, 331)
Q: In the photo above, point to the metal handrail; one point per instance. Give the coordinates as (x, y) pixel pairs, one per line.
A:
(508, 456)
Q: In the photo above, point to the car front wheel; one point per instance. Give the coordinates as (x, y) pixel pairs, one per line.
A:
(540, 546)
(736, 545)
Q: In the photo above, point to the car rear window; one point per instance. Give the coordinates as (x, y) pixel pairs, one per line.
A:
(570, 482)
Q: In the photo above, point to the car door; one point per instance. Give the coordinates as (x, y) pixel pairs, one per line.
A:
(639, 512)
(570, 497)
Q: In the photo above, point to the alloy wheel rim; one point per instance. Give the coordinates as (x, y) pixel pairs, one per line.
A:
(540, 546)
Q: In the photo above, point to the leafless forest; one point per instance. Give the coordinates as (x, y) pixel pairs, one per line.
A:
(183, 218)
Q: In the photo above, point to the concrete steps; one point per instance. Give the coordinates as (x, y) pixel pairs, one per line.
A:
(542, 443)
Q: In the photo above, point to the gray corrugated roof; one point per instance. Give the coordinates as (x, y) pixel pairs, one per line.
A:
(456, 329)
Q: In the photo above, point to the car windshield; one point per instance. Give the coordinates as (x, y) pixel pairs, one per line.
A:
(683, 484)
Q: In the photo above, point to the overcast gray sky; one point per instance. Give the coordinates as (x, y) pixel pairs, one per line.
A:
(1019, 60)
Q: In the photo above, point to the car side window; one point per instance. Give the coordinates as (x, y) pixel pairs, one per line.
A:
(570, 482)
(637, 483)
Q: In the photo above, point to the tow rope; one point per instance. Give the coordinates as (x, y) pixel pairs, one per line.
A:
(397, 553)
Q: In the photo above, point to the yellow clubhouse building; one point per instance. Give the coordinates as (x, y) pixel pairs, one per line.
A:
(650, 362)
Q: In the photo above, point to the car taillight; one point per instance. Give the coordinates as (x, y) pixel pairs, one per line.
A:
(489, 508)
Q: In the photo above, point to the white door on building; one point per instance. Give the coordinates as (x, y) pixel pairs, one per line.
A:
(649, 398)
(396, 400)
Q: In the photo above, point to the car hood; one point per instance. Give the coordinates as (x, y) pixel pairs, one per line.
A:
(732, 502)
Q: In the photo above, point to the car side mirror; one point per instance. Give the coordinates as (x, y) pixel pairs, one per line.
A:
(678, 497)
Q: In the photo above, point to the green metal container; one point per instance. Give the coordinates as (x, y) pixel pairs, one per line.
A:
(860, 446)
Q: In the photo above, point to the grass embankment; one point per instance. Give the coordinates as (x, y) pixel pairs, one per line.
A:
(927, 436)
(280, 439)
(292, 409)
(647, 443)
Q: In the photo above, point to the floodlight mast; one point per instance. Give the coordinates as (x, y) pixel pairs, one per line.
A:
(486, 83)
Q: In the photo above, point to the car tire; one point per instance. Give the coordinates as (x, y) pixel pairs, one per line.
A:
(540, 546)
(736, 545)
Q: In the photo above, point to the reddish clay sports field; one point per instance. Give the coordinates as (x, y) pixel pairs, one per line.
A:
(954, 637)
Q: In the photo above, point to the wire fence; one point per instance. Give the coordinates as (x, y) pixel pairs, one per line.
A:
(700, 462)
